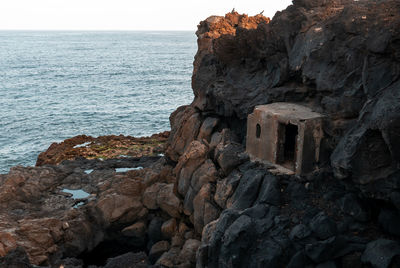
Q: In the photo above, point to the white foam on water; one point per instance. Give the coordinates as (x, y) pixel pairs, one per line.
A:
(82, 145)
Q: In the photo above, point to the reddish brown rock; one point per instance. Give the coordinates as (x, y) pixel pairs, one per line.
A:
(207, 172)
(169, 228)
(194, 156)
(225, 189)
(7, 243)
(207, 128)
(204, 210)
(150, 195)
(170, 258)
(188, 252)
(169, 202)
(37, 215)
(157, 250)
(136, 230)
(113, 207)
(185, 124)
(104, 147)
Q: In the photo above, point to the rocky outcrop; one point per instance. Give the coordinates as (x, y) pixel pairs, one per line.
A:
(40, 214)
(339, 58)
(103, 147)
(205, 204)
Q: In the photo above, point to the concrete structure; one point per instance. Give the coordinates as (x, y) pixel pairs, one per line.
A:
(285, 134)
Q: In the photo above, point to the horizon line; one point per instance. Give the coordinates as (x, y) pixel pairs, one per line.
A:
(98, 30)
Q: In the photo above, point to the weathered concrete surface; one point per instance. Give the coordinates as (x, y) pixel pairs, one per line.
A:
(267, 136)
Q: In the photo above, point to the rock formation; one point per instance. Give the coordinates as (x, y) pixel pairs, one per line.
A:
(103, 147)
(204, 203)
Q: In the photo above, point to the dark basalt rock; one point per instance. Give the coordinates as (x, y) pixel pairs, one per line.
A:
(323, 226)
(353, 206)
(269, 191)
(244, 196)
(300, 231)
(325, 250)
(16, 258)
(154, 231)
(128, 260)
(338, 57)
(390, 221)
(341, 58)
(231, 156)
(379, 253)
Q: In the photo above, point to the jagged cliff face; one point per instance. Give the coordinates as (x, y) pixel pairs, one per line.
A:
(205, 204)
(339, 57)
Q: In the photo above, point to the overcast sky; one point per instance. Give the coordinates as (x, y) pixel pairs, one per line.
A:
(123, 14)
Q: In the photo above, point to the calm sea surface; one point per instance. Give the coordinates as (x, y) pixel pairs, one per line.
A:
(56, 85)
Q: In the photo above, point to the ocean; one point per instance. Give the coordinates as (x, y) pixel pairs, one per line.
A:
(56, 85)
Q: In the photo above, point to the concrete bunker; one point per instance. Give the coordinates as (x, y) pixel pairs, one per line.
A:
(287, 135)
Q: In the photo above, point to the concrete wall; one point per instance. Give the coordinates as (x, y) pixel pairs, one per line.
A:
(266, 147)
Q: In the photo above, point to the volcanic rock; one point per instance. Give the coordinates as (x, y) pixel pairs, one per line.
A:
(379, 253)
(157, 250)
(104, 147)
(338, 57)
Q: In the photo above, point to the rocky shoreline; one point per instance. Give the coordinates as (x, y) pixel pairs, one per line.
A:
(193, 197)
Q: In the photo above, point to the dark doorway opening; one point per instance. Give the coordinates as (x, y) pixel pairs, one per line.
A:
(287, 145)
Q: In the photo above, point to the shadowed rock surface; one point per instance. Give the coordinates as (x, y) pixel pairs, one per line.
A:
(204, 203)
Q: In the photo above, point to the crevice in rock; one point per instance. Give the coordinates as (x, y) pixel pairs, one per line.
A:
(105, 250)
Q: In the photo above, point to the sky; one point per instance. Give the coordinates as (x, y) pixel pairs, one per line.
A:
(123, 14)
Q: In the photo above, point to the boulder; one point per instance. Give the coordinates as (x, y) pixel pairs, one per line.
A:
(353, 206)
(322, 251)
(169, 228)
(169, 258)
(185, 123)
(245, 193)
(136, 230)
(203, 209)
(323, 226)
(113, 207)
(157, 250)
(270, 191)
(188, 252)
(230, 156)
(225, 188)
(168, 201)
(300, 231)
(16, 258)
(207, 128)
(193, 157)
(204, 174)
(128, 260)
(150, 195)
(379, 253)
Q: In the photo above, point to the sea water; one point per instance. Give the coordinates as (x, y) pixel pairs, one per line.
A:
(56, 85)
